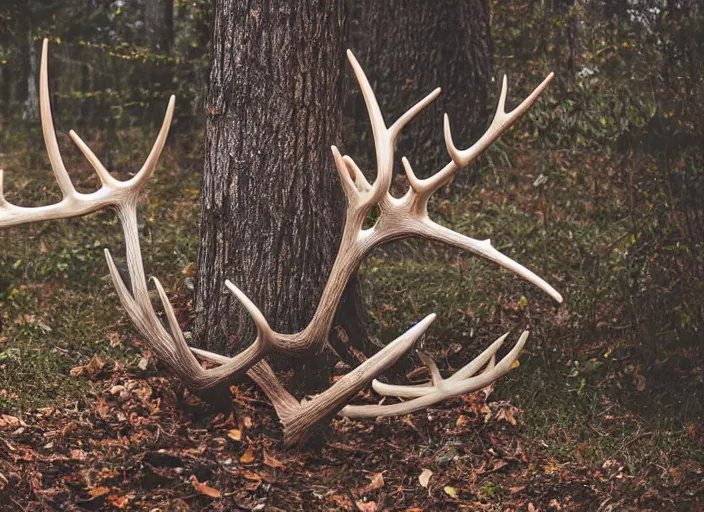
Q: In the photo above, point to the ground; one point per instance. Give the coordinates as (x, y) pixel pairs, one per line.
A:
(89, 421)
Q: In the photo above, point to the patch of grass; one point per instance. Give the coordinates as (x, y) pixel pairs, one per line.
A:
(57, 304)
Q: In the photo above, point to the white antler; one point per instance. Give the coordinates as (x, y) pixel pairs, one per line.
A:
(73, 203)
(398, 218)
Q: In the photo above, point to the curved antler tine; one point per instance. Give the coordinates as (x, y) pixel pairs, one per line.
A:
(360, 180)
(484, 249)
(2, 185)
(402, 121)
(52, 145)
(265, 333)
(435, 377)
(437, 383)
(346, 175)
(450, 390)
(176, 331)
(501, 122)
(147, 169)
(477, 363)
(97, 165)
(375, 115)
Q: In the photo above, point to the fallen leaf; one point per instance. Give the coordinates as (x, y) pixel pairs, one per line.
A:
(117, 501)
(99, 491)
(247, 457)
(514, 490)
(8, 421)
(234, 434)
(251, 475)
(79, 455)
(424, 477)
(366, 506)
(340, 501)
(515, 364)
(204, 489)
(93, 368)
(450, 491)
(272, 462)
(377, 482)
(461, 420)
(508, 414)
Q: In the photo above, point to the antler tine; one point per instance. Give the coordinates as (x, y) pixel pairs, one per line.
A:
(433, 231)
(265, 334)
(501, 122)
(449, 390)
(437, 382)
(149, 165)
(384, 137)
(52, 145)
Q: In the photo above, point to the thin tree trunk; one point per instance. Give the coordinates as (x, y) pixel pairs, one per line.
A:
(410, 47)
(271, 204)
(31, 106)
(158, 25)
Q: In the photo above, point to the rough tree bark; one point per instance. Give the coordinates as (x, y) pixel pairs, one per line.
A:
(271, 204)
(410, 47)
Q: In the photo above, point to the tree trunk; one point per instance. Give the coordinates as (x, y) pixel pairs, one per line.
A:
(158, 25)
(271, 204)
(410, 47)
(31, 105)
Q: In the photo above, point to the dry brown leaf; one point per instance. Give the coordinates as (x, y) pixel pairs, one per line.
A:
(377, 481)
(118, 501)
(461, 420)
(93, 368)
(98, 491)
(247, 457)
(9, 421)
(79, 455)
(272, 462)
(341, 501)
(424, 477)
(234, 434)
(204, 489)
(251, 475)
(508, 414)
(366, 506)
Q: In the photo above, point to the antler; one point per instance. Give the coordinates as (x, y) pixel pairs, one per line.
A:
(398, 218)
(73, 204)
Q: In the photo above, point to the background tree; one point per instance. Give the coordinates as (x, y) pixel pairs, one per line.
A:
(159, 24)
(271, 204)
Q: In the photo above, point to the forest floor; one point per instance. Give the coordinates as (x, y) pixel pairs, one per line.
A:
(89, 421)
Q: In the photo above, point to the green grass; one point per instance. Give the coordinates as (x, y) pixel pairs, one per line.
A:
(577, 383)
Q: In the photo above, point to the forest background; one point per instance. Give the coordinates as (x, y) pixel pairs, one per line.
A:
(599, 189)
